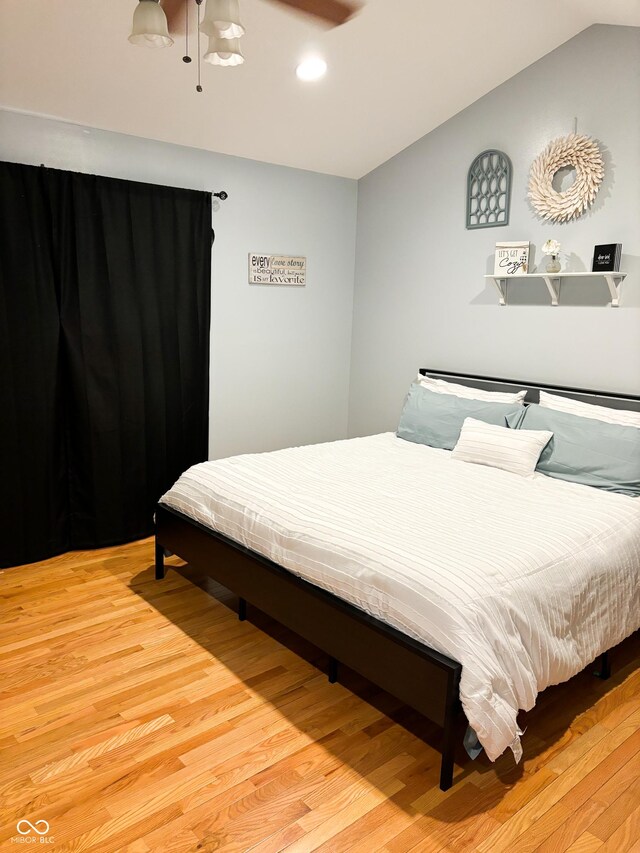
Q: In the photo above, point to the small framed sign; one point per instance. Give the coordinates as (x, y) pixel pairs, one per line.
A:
(286, 270)
(606, 258)
(511, 259)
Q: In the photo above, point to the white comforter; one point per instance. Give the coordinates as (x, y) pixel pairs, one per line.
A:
(523, 581)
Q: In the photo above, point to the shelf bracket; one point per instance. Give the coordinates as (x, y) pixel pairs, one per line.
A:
(614, 283)
(501, 287)
(553, 286)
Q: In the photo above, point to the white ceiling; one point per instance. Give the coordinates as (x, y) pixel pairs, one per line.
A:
(396, 71)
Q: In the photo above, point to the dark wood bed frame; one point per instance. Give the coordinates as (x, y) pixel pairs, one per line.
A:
(416, 674)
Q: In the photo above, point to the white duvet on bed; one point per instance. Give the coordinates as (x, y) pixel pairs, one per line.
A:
(523, 581)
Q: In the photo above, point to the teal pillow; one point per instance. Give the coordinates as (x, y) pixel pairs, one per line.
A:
(584, 450)
(436, 419)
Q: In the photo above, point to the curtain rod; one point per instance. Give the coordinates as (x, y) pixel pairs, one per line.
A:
(222, 194)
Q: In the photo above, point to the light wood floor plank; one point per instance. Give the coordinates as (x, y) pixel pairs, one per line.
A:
(626, 837)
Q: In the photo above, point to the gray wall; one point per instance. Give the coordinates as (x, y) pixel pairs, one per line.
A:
(279, 356)
(420, 297)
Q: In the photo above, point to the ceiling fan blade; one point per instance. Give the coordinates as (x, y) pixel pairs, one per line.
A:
(333, 12)
(175, 12)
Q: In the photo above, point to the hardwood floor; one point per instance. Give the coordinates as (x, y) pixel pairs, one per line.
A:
(142, 716)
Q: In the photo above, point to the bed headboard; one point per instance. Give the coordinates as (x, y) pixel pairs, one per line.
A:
(489, 383)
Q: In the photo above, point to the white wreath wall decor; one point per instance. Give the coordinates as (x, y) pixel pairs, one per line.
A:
(575, 151)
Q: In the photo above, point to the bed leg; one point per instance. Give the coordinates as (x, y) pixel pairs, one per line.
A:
(242, 609)
(448, 744)
(333, 670)
(449, 735)
(160, 570)
(603, 667)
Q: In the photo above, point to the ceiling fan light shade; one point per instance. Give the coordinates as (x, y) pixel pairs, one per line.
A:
(223, 52)
(150, 25)
(222, 19)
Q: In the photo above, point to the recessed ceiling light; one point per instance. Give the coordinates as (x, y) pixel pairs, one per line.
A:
(311, 69)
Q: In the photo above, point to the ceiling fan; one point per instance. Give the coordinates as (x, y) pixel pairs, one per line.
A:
(156, 21)
(330, 12)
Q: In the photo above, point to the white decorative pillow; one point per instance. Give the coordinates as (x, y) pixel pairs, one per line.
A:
(622, 417)
(515, 450)
(442, 387)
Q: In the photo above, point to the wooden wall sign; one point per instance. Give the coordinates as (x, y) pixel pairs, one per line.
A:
(285, 270)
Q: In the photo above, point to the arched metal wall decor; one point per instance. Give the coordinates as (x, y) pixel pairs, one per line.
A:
(489, 190)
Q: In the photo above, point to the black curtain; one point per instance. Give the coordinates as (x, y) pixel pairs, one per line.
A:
(104, 371)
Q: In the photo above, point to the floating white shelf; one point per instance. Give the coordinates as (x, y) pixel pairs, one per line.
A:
(552, 280)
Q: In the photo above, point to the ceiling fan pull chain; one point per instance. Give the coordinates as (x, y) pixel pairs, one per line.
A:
(186, 57)
(199, 86)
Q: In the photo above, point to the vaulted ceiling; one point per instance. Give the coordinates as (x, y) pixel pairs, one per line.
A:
(396, 71)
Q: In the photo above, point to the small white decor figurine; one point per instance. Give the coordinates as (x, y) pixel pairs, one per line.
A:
(551, 248)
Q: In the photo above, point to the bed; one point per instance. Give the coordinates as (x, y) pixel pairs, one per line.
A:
(455, 587)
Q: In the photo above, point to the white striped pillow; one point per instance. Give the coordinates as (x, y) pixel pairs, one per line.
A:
(515, 450)
(442, 387)
(622, 417)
